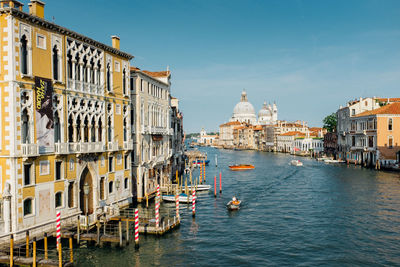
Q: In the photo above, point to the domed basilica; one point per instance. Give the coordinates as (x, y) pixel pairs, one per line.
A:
(244, 112)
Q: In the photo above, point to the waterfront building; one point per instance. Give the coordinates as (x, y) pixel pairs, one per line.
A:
(286, 141)
(177, 140)
(344, 116)
(308, 144)
(374, 136)
(152, 140)
(330, 144)
(65, 118)
(207, 139)
(226, 133)
(271, 132)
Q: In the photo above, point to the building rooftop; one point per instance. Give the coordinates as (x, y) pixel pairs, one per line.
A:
(157, 74)
(393, 108)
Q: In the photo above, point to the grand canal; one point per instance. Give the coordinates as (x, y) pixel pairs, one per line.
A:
(315, 215)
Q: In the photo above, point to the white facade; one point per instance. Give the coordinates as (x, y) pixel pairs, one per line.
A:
(244, 111)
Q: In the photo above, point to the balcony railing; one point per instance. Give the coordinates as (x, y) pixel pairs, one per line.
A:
(128, 145)
(30, 150)
(61, 148)
(85, 87)
(112, 146)
(86, 147)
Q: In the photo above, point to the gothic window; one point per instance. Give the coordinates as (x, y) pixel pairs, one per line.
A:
(86, 130)
(390, 141)
(109, 125)
(100, 130)
(24, 55)
(25, 127)
(77, 72)
(98, 73)
(78, 129)
(91, 71)
(55, 64)
(70, 129)
(69, 65)
(124, 82)
(85, 74)
(125, 130)
(108, 78)
(57, 128)
(93, 131)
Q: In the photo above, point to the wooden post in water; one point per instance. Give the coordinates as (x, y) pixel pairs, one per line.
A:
(220, 182)
(27, 244)
(59, 255)
(98, 232)
(194, 203)
(11, 250)
(45, 247)
(187, 190)
(204, 172)
(127, 231)
(177, 178)
(78, 229)
(147, 200)
(120, 232)
(34, 252)
(71, 252)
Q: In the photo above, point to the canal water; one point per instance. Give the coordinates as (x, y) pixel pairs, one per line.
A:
(315, 215)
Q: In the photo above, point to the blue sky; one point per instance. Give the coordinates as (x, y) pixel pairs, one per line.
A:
(308, 56)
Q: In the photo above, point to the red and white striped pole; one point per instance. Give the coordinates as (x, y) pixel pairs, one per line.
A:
(194, 203)
(177, 207)
(136, 228)
(220, 183)
(215, 186)
(58, 229)
(158, 207)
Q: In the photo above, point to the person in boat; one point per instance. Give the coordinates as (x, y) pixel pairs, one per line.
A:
(235, 201)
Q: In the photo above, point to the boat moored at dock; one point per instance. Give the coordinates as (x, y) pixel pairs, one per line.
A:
(183, 198)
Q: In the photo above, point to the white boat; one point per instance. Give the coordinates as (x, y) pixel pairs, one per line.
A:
(183, 198)
(200, 187)
(296, 162)
(334, 161)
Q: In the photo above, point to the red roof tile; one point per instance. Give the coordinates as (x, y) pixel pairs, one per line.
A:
(393, 108)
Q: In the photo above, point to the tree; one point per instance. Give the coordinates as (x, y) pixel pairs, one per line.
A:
(330, 122)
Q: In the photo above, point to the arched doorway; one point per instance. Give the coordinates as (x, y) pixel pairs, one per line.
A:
(86, 208)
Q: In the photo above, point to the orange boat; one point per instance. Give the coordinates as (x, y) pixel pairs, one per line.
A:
(241, 167)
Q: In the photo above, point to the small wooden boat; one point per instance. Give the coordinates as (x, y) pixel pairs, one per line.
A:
(241, 167)
(183, 198)
(233, 205)
(296, 162)
(200, 187)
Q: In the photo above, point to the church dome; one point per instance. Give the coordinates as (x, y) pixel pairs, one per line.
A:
(264, 112)
(244, 111)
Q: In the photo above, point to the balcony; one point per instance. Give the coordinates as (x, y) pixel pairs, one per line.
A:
(128, 145)
(61, 148)
(85, 87)
(86, 147)
(30, 150)
(112, 146)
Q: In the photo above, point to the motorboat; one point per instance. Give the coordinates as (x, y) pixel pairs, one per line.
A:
(233, 204)
(200, 187)
(334, 161)
(201, 162)
(296, 162)
(241, 167)
(183, 198)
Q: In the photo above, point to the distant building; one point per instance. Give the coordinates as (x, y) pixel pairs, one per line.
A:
(330, 144)
(207, 139)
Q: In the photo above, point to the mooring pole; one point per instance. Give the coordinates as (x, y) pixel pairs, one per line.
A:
(220, 183)
(136, 228)
(27, 244)
(120, 232)
(11, 250)
(34, 252)
(71, 252)
(45, 246)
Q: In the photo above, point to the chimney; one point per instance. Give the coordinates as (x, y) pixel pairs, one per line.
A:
(36, 8)
(115, 41)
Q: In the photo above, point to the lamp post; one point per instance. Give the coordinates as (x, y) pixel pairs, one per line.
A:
(86, 190)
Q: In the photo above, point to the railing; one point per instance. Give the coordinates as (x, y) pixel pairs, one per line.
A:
(86, 147)
(30, 150)
(112, 146)
(85, 86)
(61, 148)
(128, 145)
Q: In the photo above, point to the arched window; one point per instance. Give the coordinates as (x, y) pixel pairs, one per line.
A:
(98, 73)
(102, 188)
(24, 55)
(124, 82)
(70, 129)
(71, 203)
(100, 129)
(86, 130)
(110, 187)
(69, 65)
(57, 130)
(78, 129)
(59, 199)
(109, 125)
(77, 71)
(85, 70)
(108, 78)
(28, 206)
(390, 124)
(55, 63)
(93, 131)
(125, 130)
(25, 127)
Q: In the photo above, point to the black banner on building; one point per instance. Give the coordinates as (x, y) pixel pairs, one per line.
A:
(44, 115)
